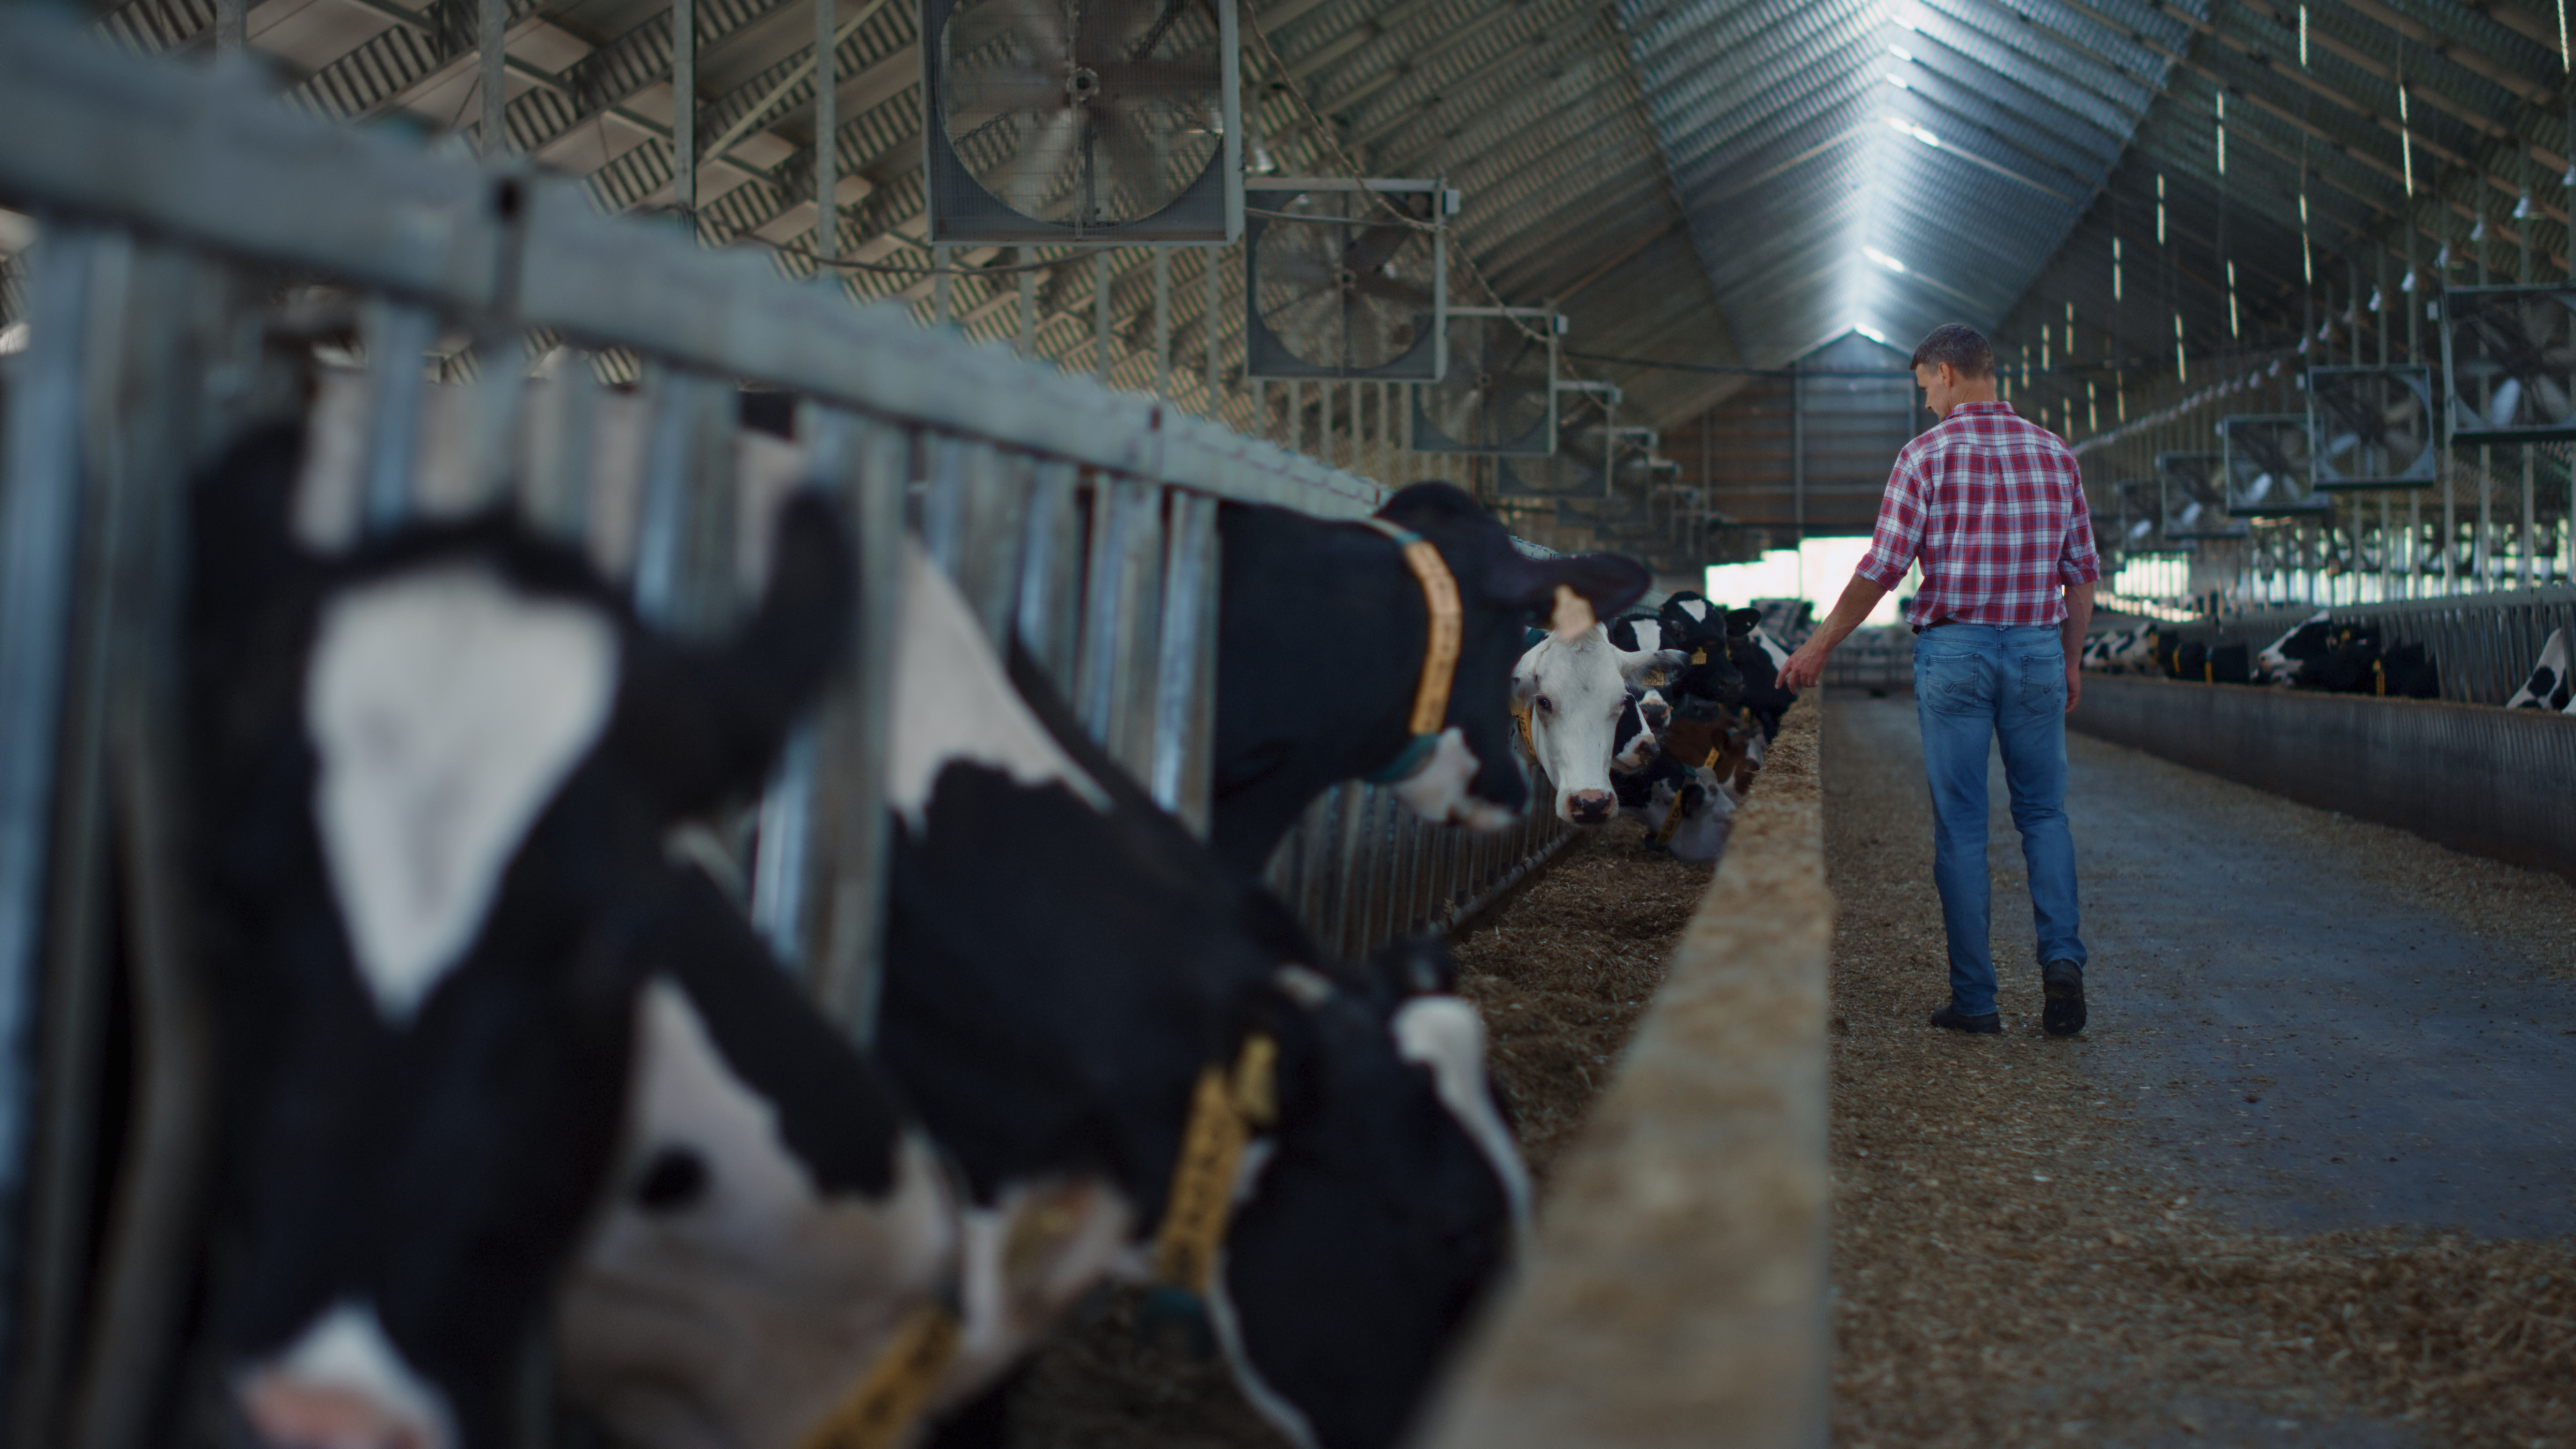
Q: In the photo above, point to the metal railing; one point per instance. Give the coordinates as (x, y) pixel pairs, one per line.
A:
(196, 238)
(2483, 645)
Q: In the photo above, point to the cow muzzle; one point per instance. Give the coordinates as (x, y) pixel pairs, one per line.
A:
(288, 1415)
(1591, 807)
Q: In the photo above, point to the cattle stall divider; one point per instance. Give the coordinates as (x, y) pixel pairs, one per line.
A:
(2483, 645)
(1675, 1294)
(203, 251)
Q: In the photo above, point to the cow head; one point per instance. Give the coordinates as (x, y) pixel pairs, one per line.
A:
(1633, 741)
(2281, 658)
(1575, 690)
(1320, 654)
(437, 773)
(1472, 781)
(1371, 1221)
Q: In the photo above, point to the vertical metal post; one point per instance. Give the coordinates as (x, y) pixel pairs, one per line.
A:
(939, 280)
(397, 339)
(1798, 458)
(232, 27)
(1293, 432)
(1100, 301)
(491, 34)
(827, 132)
(40, 515)
(1208, 330)
(684, 112)
(1162, 322)
(1028, 343)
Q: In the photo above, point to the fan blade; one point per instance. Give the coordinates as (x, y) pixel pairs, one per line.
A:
(2500, 406)
(1036, 177)
(984, 97)
(2551, 398)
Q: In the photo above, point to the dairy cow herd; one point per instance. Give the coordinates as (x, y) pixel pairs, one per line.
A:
(2343, 656)
(503, 1068)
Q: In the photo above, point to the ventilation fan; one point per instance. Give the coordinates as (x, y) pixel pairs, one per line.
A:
(2371, 427)
(2509, 363)
(2267, 466)
(1081, 120)
(2195, 496)
(2141, 524)
(1348, 279)
(1499, 394)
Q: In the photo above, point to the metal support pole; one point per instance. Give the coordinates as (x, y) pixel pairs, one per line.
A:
(1162, 322)
(1028, 344)
(1100, 315)
(939, 285)
(232, 27)
(684, 112)
(827, 129)
(1798, 455)
(491, 54)
(1207, 330)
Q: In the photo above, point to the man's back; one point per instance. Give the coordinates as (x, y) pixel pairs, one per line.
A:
(1994, 507)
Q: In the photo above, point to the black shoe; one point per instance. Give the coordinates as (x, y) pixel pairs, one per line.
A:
(1990, 1024)
(2063, 982)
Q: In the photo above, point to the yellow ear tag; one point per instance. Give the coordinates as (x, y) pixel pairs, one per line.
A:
(1573, 615)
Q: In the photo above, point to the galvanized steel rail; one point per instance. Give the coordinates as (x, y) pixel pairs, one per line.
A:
(175, 204)
(2483, 645)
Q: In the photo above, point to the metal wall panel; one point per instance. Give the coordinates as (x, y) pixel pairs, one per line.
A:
(2491, 781)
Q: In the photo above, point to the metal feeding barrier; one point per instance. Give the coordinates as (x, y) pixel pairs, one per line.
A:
(2483, 645)
(201, 245)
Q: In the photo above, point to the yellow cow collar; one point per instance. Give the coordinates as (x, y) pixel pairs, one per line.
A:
(889, 1397)
(1441, 642)
(1225, 1109)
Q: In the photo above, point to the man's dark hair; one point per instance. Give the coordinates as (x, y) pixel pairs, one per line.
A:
(1961, 346)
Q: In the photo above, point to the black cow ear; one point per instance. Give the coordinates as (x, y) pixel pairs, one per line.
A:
(1609, 582)
(1740, 622)
(1412, 966)
(1430, 503)
(701, 727)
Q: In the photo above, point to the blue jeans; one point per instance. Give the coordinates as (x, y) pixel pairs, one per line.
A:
(1974, 683)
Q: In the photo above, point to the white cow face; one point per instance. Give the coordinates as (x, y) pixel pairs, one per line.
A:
(1439, 793)
(1575, 688)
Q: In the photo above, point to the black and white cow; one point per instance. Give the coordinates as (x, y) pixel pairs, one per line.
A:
(456, 969)
(1574, 689)
(2278, 662)
(1053, 1046)
(1320, 645)
(2547, 687)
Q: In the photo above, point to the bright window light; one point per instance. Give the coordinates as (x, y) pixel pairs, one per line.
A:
(1883, 259)
(1873, 334)
(1901, 53)
(1815, 571)
(1898, 81)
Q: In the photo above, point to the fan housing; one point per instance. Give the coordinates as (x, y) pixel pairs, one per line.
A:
(2195, 496)
(2371, 427)
(1345, 279)
(1499, 393)
(1111, 121)
(2509, 363)
(2267, 466)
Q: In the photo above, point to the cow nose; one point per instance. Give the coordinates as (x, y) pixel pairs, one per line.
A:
(1655, 715)
(287, 1415)
(1591, 807)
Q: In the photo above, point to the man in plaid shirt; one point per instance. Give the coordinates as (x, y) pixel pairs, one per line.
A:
(1993, 508)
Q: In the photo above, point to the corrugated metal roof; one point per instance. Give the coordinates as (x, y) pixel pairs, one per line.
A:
(1722, 184)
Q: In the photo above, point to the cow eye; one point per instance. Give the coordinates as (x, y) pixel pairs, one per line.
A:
(674, 1180)
(1546, 704)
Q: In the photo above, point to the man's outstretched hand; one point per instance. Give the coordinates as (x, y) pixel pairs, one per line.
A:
(1806, 668)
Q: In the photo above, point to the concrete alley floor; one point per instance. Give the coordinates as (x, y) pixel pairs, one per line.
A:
(2305, 1179)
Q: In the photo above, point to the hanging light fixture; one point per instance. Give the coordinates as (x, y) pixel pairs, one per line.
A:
(2232, 329)
(2405, 138)
(2182, 368)
(2115, 269)
(2160, 208)
(2307, 256)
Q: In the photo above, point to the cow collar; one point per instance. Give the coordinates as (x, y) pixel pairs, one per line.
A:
(880, 1409)
(1439, 651)
(1224, 1110)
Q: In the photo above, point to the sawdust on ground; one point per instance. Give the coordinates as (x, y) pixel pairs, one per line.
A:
(2012, 1265)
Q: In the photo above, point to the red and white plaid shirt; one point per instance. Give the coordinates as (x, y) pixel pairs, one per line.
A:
(1994, 506)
